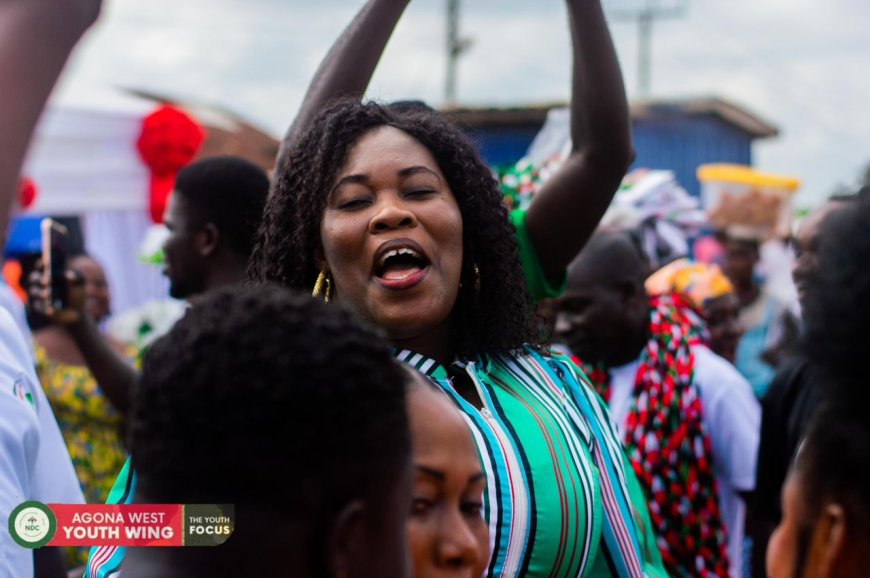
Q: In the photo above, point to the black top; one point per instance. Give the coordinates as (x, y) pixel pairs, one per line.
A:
(786, 411)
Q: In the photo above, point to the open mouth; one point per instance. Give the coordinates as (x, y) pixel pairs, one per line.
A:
(399, 265)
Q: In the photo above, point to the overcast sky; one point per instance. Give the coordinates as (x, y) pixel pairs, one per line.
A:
(801, 65)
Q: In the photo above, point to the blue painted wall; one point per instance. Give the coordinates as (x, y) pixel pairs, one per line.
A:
(503, 146)
(679, 143)
(682, 144)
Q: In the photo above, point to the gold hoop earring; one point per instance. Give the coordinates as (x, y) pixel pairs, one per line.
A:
(476, 271)
(323, 285)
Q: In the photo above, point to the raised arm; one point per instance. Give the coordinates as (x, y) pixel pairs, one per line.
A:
(350, 63)
(570, 204)
(36, 37)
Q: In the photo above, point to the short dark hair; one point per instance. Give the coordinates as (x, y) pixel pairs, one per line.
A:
(835, 459)
(272, 401)
(229, 192)
(614, 255)
(493, 312)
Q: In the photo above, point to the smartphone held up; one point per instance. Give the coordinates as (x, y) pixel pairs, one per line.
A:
(55, 254)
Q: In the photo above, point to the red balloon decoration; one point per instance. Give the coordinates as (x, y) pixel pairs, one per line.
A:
(168, 141)
(26, 193)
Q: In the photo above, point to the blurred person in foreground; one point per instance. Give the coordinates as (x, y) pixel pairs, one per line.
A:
(688, 419)
(447, 534)
(795, 391)
(36, 38)
(825, 528)
(293, 413)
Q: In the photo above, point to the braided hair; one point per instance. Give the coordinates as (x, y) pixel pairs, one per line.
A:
(493, 309)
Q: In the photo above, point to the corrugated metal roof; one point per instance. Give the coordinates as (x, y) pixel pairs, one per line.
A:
(729, 112)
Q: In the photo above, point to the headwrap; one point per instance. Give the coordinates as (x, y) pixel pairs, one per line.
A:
(699, 282)
(667, 446)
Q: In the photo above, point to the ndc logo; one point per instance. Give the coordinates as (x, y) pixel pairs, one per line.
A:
(32, 524)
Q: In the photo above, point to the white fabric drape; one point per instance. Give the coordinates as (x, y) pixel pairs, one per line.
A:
(84, 157)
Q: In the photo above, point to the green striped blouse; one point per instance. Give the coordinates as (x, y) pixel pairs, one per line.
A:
(561, 499)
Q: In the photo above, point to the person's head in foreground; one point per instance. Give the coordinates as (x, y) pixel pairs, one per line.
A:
(405, 224)
(446, 531)
(825, 528)
(603, 316)
(292, 412)
(212, 217)
(825, 531)
(711, 293)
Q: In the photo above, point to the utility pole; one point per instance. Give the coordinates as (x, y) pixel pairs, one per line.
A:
(456, 46)
(645, 14)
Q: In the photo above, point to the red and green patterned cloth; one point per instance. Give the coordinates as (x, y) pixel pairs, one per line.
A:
(520, 181)
(667, 445)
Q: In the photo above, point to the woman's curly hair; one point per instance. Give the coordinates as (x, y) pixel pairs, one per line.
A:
(493, 309)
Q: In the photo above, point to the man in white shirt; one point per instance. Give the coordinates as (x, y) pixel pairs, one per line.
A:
(607, 319)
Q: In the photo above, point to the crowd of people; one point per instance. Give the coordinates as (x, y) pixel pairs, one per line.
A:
(388, 373)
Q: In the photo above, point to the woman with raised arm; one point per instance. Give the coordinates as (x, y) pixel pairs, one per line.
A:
(394, 215)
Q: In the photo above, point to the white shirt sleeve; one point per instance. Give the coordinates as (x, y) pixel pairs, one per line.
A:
(54, 477)
(19, 448)
(9, 301)
(732, 416)
(19, 442)
(54, 480)
(34, 462)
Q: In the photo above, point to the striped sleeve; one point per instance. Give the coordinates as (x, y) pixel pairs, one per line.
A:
(105, 561)
(581, 391)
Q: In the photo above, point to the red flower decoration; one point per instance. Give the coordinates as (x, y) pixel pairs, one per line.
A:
(26, 193)
(169, 140)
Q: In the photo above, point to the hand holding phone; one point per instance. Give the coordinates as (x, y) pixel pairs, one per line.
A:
(55, 255)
